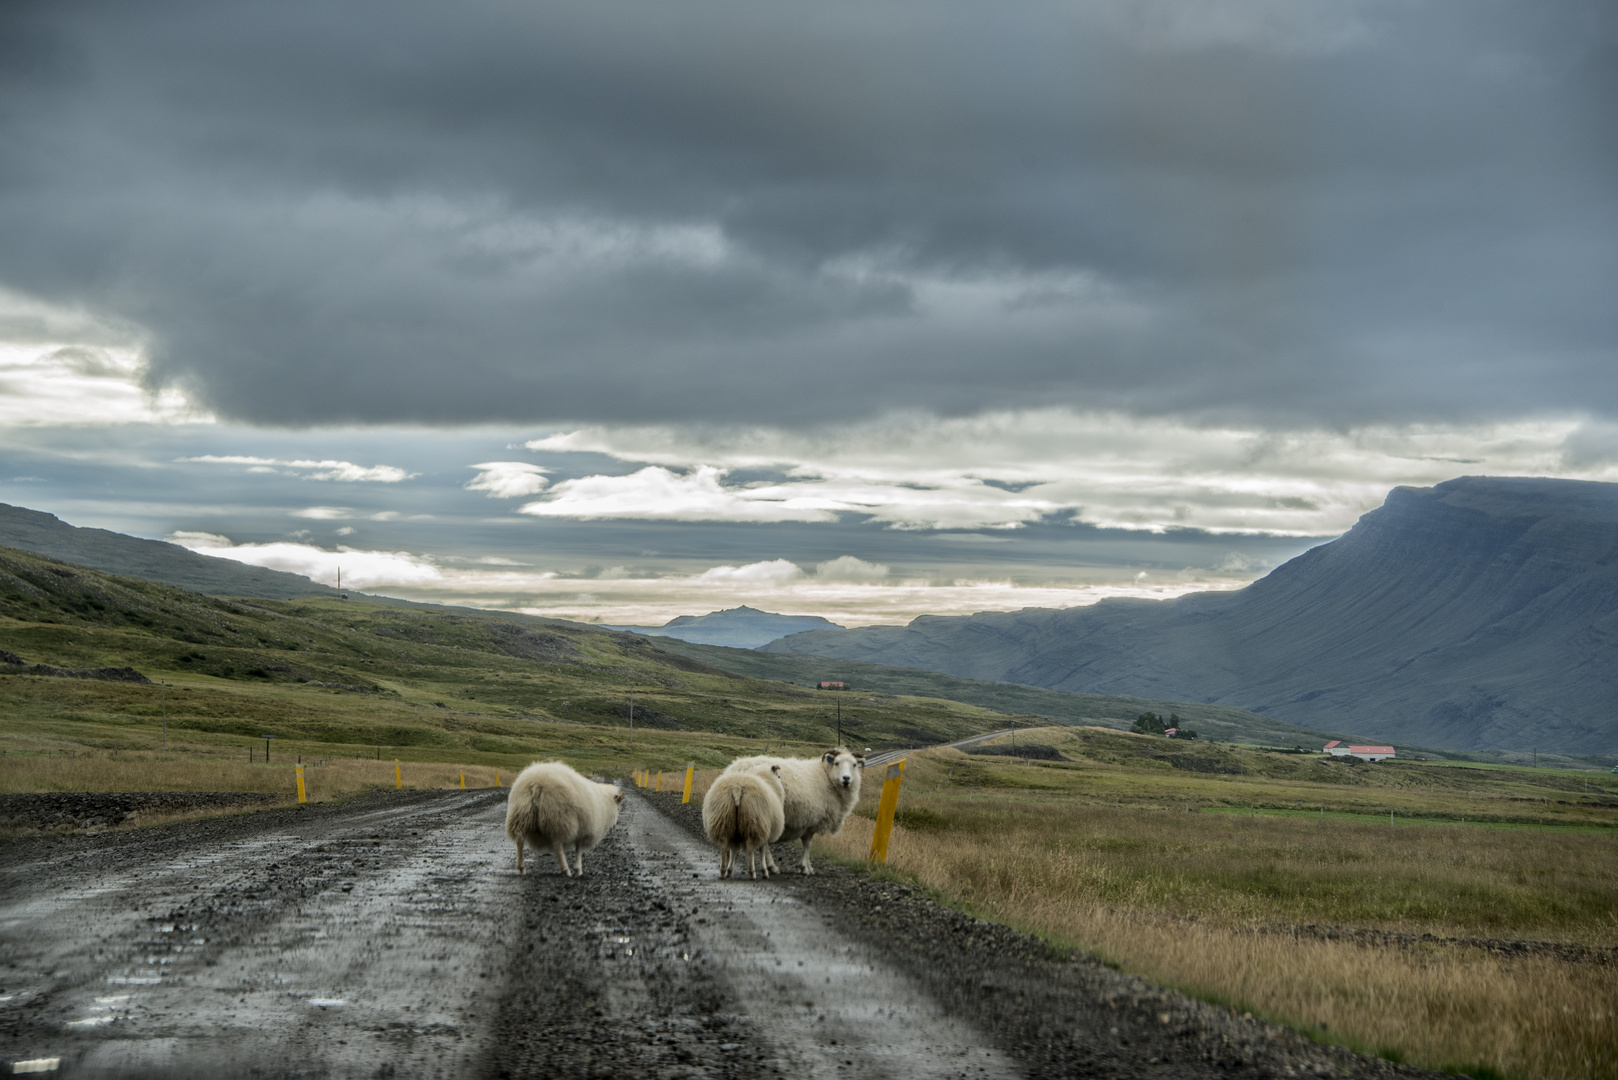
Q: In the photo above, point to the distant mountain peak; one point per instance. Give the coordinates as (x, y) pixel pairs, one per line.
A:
(738, 627)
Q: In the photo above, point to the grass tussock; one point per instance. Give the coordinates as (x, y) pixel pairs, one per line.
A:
(1201, 901)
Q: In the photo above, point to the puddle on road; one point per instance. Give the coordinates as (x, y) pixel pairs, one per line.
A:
(820, 1000)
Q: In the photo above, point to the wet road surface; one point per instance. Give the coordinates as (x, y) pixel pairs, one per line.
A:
(394, 938)
(391, 937)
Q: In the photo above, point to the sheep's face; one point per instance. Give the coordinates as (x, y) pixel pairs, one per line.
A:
(843, 767)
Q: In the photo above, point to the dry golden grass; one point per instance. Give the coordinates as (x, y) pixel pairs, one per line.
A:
(157, 770)
(1176, 897)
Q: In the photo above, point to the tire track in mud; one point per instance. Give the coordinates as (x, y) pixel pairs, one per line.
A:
(649, 965)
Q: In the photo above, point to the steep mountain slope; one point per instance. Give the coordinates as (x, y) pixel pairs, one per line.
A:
(1481, 613)
(153, 560)
(738, 628)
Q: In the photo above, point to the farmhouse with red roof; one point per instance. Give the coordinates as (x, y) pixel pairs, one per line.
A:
(1365, 753)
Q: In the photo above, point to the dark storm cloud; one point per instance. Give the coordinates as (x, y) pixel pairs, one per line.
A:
(726, 210)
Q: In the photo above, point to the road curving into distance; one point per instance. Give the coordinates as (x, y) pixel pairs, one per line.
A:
(390, 936)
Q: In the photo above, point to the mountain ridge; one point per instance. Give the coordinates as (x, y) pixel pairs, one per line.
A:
(43, 533)
(738, 627)
(1481, 613)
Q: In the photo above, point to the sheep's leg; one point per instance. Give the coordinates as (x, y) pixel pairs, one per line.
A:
(560, 851)
(724, 860)
(764, 859)
(769, 859)
(806, 867)
(519, 856)
(578, 858)
(752, 867)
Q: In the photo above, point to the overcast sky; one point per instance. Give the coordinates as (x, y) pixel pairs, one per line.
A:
(627, 310)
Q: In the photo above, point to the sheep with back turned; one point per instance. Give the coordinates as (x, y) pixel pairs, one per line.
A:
(551, 806)
(818, 794)
(743, 812)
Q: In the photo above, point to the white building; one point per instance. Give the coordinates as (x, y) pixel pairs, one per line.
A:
(1365, 753)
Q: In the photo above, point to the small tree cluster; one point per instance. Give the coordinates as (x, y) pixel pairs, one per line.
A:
(1149, 723)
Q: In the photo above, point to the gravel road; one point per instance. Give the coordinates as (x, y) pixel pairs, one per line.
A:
(390, 937)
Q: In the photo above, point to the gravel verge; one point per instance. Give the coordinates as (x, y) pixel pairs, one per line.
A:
(69, 810)
(1057, 1016)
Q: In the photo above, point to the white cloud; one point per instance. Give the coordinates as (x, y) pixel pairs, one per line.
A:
(71, 384)
(508, 479)
(774, 572)
(626, 598)
(329, 469)
(850, 569)
(1001, 470)
(659, 494)
(324, 513)
(361, 569)
(198, 540)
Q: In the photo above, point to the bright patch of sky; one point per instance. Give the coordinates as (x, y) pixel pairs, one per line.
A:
(863, 522)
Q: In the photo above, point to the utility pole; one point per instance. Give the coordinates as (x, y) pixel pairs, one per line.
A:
(632, 718)
(163, 699)
(839, 721)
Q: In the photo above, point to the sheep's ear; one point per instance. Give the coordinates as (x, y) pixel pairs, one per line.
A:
(831, 757)
(618, 796)
(776, 769)
(859, 759)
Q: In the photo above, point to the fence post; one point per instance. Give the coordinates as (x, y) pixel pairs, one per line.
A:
(659, 786)
(463, 779)
(398, 775)
(497, 778)
(690, 771)
(300, 784)
(884, 812)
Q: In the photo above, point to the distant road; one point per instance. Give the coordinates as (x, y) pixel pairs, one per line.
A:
(893, 755)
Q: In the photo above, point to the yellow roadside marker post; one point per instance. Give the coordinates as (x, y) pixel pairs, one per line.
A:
(463, 779)
(690, 771)
(884, 812)
(300, 784)
(398, 776)
(497, 778)
(659, 786)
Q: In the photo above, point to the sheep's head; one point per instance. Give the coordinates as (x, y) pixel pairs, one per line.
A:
(843, 766)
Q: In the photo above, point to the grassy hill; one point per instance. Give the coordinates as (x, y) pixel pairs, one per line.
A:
(433, 682)
(114, 553)
(1106, 710)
